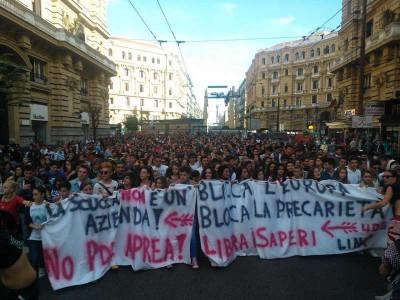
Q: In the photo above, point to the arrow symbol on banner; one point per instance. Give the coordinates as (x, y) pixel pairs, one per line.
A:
(174, 220)
(347, 227)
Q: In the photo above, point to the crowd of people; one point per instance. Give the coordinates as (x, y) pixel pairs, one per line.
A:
(31, 179)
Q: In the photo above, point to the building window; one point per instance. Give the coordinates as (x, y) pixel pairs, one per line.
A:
(141, 74)
(141, 88)
(329, 82)
(333, 48)
(126, 71)
(300, 72)
(110, 52)
(262, 103)
(303, 55)
(273, 103)
(170, 104)
(128, 101)
(312, 53)
(316, 69)
(284, 103)
(346, 44)
(286, 72)
(156, 103)
(141, 102)
(170, 76)
(126, 86)
(275, 75)
(111, 100)
(130, 56)
(263, 75)
(170, 92)
(369, 30)
(111, 85)
(286, 57)
(263, 60)
(278, 58)
(144, 58)
(139, 58)
(37, 74)
(318, 51)
(367, 81)
(272, 59)
(123, 54)
(158, 61)
(153, 60)
(296, 56)
(286, 88)
(315, 84)
(155, 89)
(262, 90)
(314, 99)
(328, 97)
(170, 63)
(340, 75)
(298, 101)
(299, 86)
(83, 90)
(274, 90)
(326, 50)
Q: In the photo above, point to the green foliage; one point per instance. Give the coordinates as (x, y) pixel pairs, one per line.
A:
(131, 123)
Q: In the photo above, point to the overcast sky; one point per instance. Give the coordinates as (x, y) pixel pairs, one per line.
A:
(224, 62)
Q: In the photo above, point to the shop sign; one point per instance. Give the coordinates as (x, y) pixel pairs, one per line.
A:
(361, 122)
(374, 110)
(84, 118)
(39, 112)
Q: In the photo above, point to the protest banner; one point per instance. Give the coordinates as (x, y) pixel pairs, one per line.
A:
(143, 228)
(298, 217)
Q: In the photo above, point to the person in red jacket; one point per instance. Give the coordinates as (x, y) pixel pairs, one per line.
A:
(10, 201)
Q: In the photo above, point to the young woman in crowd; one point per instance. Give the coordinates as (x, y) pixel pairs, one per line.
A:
(127, 182)
(160, 183)
(281, 173)
(69, 170)
(341, 175)
(316, 174)
(243, 174)
(87, 187)
(271, 171)
(35, 219)
(367, 180)
(208, 173)
(10, 201)
(146, 177)
(172, 173)
(224, 173)
(259, 175)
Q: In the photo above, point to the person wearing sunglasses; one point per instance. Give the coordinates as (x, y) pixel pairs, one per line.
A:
(105, 186)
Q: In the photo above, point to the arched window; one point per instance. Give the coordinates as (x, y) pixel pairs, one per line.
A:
(296, 56)
(333, 48)
(312, 53)
(110, 52)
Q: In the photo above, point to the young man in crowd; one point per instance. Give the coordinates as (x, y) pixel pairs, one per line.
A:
(83, 175)
(353, 173)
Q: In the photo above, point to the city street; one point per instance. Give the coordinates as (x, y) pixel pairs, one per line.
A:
(319, 277)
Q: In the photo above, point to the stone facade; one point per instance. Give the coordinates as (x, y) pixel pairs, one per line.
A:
(381, 81)
(292, 81)
(55, 79)
(151, 83)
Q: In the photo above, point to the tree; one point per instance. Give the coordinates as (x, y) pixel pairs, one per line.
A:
(131, 123)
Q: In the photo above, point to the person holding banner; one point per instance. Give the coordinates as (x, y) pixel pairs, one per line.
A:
(105, 186)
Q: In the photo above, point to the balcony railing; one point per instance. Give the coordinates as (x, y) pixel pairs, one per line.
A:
(83, 92)
(389, 33)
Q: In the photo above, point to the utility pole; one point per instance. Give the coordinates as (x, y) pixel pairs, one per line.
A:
(362, 59)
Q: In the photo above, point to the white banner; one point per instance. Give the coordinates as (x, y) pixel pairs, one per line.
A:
(151, 229)
(138, 227)
(299, 217)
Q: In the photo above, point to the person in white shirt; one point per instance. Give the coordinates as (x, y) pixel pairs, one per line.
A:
(157, 166)
(353, 173)
(105, 186)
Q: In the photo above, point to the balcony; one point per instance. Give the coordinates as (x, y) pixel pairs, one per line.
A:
(299, 92)
(59, 34)
(83, 92)
(344, 60)
(390, 33)
(329, 88)
(300, 77)
(314, 75)
(314, 90)
(275, 80)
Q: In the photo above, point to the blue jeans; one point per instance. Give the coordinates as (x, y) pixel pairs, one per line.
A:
(36, 254)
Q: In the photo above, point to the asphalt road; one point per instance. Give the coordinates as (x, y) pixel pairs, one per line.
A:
(337, 277)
